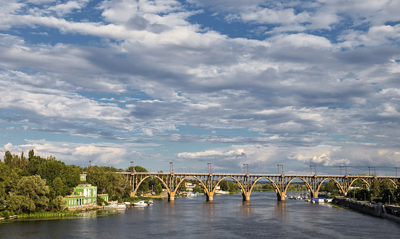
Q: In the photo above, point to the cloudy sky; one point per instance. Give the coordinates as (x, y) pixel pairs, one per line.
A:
(227, 82)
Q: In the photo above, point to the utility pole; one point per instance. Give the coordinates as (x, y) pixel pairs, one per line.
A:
(171, 167)
(133, 168)
(396, 170)
(244, 168)
(315, 169)
(280, 165)
(209, 168)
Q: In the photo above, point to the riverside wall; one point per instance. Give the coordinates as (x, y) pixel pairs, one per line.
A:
(377, 210)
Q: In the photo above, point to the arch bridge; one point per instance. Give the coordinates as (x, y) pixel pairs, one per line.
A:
(246, 182)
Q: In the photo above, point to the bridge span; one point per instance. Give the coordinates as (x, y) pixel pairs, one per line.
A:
(246, 182)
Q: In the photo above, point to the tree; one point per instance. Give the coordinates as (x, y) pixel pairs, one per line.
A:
(58, 203)
(34, 189)
(58, 186)
(375, 187)
(31, 154)
(158, 189)
(21, 203)
(8, 158)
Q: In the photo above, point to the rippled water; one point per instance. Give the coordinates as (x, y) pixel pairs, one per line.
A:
(226, 217)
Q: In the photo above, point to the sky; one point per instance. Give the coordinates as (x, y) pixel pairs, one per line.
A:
(226, 82)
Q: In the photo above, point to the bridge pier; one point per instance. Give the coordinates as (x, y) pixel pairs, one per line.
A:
(246, 196)
(281, 196)
(171, 196)
(313, 194)
(210, 197)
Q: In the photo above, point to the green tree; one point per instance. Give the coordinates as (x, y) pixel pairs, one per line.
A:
(198, 189)
(21, 203)
(31, 154)
(158, 188)
(58, 186)
(34, 189)
(8, 158)
(58, 203)
(375, 188)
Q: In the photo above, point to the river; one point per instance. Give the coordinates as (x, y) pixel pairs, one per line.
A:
(226, 217)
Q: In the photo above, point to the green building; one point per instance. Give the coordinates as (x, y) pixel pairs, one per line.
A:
(84, 195)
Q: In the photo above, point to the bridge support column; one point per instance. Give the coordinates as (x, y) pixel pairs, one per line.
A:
(171, 196)
(210, 197)
(246, 196)
(313, 194)
(281, 196)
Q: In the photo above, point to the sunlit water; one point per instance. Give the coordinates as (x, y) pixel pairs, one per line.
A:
(226, 217)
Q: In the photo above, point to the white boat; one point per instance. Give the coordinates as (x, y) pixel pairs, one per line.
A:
(191, 195)
(127, 203)
(328, 199)
(121, 206)
(317, 200)
(141, 203)
(221, 192)
(150, 202)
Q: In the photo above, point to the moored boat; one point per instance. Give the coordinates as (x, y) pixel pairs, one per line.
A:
(141, 203)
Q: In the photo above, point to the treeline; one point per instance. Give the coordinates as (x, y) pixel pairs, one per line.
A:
(378, 191)
(35, 184)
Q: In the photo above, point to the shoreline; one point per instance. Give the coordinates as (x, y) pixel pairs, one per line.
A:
(375, 210)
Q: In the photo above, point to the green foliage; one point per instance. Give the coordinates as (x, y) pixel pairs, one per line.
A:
(198, 189)
(375, 188)
(60, 177)
(109, 182)
(34, 189)
(363, 194)
(58, 204)
(330, 187)
(158, 189)
(229, 186)
(8, 158)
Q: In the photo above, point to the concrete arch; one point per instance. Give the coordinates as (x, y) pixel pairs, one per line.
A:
(336, 183)
(162, 181)
(277, 190)
(391, 180)
(302, 179)
(198, 179)
(220, 180)
(365, 181)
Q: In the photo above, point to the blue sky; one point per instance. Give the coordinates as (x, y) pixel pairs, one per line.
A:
(226, 82)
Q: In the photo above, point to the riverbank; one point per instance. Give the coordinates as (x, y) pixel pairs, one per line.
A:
(376, 210)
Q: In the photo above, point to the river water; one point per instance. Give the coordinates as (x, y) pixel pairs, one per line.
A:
(226, 217)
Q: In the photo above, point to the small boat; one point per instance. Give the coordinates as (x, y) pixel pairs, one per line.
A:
(127, 203)
(328, 199)
(317, 200)
(141, 203)
(150, 202)
(191, 194)
(121, 206)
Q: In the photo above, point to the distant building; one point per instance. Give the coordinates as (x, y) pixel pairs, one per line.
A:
(84, 195)
(189, 186)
